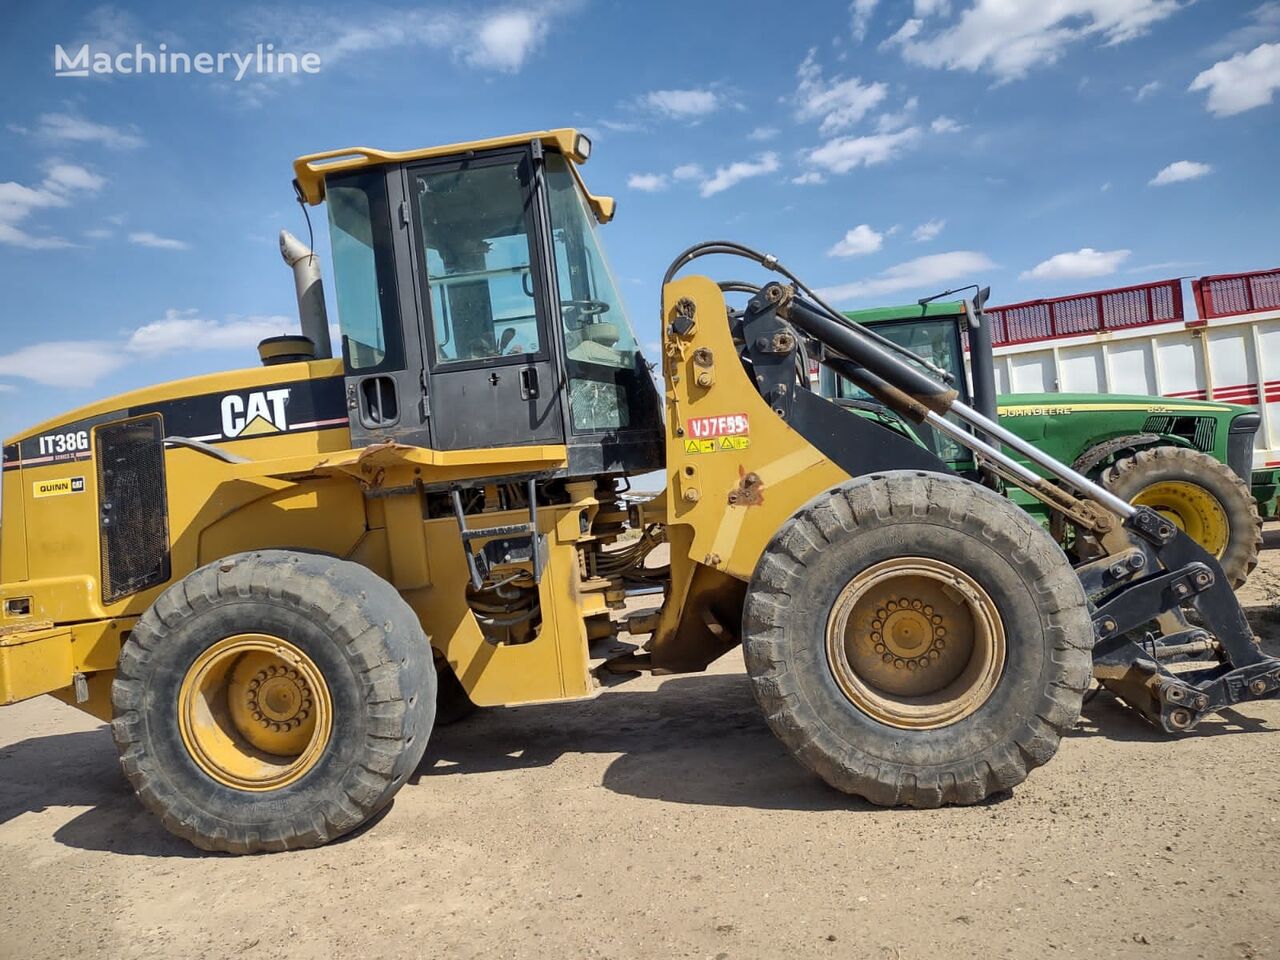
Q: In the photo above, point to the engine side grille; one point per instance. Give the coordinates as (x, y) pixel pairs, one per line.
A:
(133, 511)
(1200, 432)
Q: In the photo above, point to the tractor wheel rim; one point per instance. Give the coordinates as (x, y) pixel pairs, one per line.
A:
(1192, 509)
(254, 712)
(915, 643)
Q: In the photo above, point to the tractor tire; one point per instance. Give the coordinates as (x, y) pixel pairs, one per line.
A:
(1201, 495)
(452, 703)
(273, 700)
(872, 587)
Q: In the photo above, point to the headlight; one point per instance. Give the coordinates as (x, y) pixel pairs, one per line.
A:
(582, 147)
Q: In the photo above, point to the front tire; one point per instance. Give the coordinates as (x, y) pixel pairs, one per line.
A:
(272, 701)
(841, 631)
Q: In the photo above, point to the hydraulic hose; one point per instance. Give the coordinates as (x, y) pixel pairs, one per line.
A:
(732, 248)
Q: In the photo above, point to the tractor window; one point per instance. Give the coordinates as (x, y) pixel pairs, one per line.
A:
(936, 340)
(475, 224)
(359, 235)
(605, 369)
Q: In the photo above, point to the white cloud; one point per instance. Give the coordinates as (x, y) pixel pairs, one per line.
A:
(18, 202)
(945, 125)
(1085, 262)
(682, 104)
(1179, 171)
(63, 177)
(726, 177)
(845, 153)
(1146, 90)
(495, 38)
(928, 231)
(63, 363)
(904, 33)
(1007, 39)
(927, 8)
(809, 178)
(505, 40)
(888, 122)
(99, 233)
(860, 12)
(1264, 26)
(647, 182)
(65, 127)
(763, 133)
(183, 329)
(857, 242)
(921, 273)
(82, 363)
(1245, 81)
(145, 238)
(839, 103)
(687, 171)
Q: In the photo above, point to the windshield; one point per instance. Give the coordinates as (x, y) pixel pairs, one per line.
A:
(936, 340)
(606, 372)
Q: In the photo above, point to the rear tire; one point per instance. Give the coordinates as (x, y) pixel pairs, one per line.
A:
(863, 735)
(452, 703)
(273, 700)
(1201, 495)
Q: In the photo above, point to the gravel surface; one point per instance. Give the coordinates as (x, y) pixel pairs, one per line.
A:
(663, 819)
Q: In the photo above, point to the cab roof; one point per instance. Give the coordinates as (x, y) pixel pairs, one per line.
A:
(310, 170)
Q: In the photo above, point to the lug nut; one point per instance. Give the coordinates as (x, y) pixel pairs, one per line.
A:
(1180, 719)
(1258, 687)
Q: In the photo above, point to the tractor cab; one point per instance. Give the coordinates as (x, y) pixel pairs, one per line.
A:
(476, 306)
(933, 331)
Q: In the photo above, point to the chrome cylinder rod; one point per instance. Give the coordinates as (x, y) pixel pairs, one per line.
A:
(967, 439)
(1060, 470)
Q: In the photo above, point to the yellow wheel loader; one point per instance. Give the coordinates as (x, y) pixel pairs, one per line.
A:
(272, 582)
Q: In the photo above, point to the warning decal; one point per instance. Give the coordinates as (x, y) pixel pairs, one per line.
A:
(56, 488)
(717, 434)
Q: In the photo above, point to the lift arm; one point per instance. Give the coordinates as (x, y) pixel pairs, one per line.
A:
(1138, 595)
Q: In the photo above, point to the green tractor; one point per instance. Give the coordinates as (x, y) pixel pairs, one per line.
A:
(1190, 460)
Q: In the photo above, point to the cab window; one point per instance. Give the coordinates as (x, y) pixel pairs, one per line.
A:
(363, 272)
(475, 235)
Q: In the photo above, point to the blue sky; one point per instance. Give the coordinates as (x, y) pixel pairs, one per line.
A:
(885, 150)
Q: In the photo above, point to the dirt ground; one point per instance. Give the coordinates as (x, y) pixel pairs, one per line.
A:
(663, 819)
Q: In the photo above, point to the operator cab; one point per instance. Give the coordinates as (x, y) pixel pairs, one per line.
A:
(476, 306)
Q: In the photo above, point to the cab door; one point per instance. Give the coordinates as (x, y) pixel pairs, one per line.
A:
(490, 362)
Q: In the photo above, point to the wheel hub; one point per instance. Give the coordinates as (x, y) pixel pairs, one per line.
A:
(915, 643)
(279, 698)
(254, 712)
(908, 634)
(1192, 509)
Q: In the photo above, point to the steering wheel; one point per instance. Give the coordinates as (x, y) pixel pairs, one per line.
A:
(578, 313)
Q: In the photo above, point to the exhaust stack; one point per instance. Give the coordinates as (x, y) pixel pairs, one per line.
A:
(306, 279)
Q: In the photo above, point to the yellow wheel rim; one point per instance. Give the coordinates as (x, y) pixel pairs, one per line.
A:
(254, 712)
(1192, 509)
(915, 643)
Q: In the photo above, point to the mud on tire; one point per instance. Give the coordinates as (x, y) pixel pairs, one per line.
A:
(869, 520)
(367, 646)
